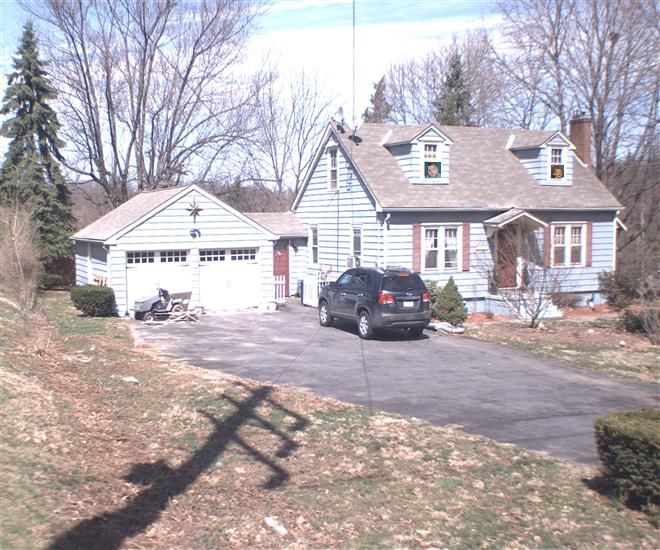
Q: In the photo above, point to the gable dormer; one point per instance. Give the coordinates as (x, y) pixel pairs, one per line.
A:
(549, 161)
(423, 156)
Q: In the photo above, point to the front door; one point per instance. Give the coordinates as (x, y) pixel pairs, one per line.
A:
(281, 262)
(508, 239)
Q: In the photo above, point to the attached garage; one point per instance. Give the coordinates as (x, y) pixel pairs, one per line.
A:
(182, 239)
(149, 269)
(229, 277)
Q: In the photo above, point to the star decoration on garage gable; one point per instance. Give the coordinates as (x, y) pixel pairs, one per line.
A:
(194, 210)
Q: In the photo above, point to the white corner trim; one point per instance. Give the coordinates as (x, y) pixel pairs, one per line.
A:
(617, 221)
(385, 138)
(578, 159)
(509, 143)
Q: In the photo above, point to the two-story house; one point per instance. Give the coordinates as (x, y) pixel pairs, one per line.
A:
(485, 206)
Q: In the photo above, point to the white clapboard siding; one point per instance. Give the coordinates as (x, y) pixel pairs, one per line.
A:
(409, 157)
(297, 263)
(335, 212)
(536, 162)
(169, 228)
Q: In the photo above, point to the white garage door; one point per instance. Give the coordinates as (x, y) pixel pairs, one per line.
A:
(147, 271)
(229, 278)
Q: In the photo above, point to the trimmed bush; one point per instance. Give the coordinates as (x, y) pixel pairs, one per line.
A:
(565, 299)
(631, 321)
(620, 289)
(95, 301)
(433, 289)
(449, 305)
(50, 280)
(629, 448)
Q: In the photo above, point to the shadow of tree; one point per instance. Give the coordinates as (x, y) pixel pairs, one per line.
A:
(108, 531)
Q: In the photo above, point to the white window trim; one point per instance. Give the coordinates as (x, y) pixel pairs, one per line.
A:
(329, 152)
(313, 228)
(567, 244)
(437, 158)
(352, 241)
(441, 247)
(548, 172)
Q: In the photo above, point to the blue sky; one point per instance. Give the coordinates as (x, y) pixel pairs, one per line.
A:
(316, 35)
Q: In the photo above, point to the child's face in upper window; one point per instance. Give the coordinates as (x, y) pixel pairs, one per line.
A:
(432, 170)
(557, 172)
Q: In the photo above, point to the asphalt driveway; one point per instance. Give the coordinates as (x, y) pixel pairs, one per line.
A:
(491, 390)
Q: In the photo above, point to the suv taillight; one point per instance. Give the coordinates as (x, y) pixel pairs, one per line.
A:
(385, 298)
(425, 297)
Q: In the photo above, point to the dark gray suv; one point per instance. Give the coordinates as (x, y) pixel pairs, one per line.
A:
(377, 299)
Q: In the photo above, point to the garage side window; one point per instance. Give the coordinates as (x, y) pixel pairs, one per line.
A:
(177, 256)
(212, 255)
(243, 254)
(139, 257)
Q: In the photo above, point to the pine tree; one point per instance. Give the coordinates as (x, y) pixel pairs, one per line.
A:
(380, 109)
(449, 304)
(31, 174)
(452, 107)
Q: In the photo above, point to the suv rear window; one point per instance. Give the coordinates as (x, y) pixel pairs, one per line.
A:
(402, 283)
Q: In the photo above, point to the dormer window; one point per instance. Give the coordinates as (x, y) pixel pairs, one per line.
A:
(432, 165)
(557, 165)
(332, 168)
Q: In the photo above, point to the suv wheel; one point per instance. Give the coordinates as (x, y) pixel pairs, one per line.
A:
(325, 319)
(365, 330)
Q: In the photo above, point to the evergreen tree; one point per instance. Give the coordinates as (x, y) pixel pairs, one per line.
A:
(380, 109)
(452, 107)
(31, 174)
(449, 304)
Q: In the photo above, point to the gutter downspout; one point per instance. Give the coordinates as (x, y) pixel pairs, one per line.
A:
(386, 238)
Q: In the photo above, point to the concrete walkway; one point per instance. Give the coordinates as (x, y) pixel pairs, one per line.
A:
(491, 390)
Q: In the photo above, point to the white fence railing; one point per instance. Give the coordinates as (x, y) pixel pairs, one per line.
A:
(312, 285)
(279, 282)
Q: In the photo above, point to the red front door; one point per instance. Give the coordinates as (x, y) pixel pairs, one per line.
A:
(507, 257)
(281, 262)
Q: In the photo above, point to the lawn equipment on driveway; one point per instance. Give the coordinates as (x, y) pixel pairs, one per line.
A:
(161, 306)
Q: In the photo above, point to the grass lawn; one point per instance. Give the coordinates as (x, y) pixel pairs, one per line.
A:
(595, 344)
(104, 446)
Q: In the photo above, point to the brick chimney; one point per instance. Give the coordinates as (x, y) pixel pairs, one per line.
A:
(580, 136)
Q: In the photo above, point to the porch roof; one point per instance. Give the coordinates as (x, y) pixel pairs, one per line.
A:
(514, 214)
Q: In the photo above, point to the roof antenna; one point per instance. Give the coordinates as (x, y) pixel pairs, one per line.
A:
(354, 138)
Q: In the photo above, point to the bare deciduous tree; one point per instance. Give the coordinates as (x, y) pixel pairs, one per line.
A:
(150, 91)
(413, 85)
(19, 263)
(289, 119)
(600, 58)
(538, 33)
(518, 270)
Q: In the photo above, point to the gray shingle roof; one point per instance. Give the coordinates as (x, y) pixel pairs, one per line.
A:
(524, 139)
(483, 173)
(125, 214)
(284, 224)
